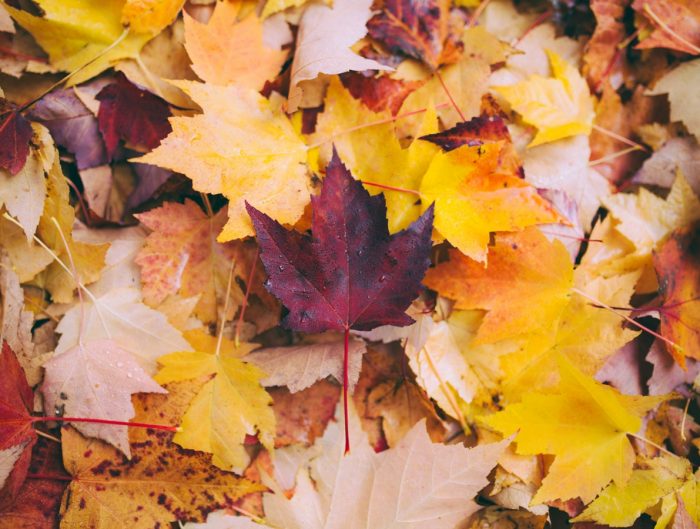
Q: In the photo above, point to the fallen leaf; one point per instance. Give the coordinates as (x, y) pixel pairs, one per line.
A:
(594, 437)
(324, 40)
(17, 436)
(150, 16)
(601, 58)
(678, 85)
(230, 405)
(169, 483)
(538, 294)
(677, 264)
(215, 149)
(559, 106)
(241, 58)
(667, 374)
(15, 134)
(96, 379)
(119, 315)
(414, 28)
(181, 255)
(679, 28)
(677, 153)
(132, 114)
(299, 367)
(470, 194)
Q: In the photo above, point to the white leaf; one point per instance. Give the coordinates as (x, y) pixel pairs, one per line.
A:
(96, 380)
(324, 40)
(300, 366)
(681, 86)
(120, 316)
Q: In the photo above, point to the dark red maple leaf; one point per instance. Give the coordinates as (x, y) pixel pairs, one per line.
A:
(16, 432)
(351, 274)
(379, 93)
(132, 114)
(417, 28)
(15, 135)
(476, 131)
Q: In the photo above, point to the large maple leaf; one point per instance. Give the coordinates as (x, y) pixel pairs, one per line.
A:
(352, 274)
(585, 425)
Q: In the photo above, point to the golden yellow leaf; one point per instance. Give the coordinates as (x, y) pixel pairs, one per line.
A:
(558, 106)
(74, 32)
(586, 335)
(620, 506)
(275, 6)
(242, 147)
(228, 51)
(536, 296)
(229, 406)
(472, 198)
(584, 424)
(150, 16)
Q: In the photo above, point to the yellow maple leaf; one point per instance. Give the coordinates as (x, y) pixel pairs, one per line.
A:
(241, 146)
(228, 51)
(472, 198)
(537, 294)
(356, 131)
(229, 406)
(558, 106)
(275, 6)
(74, 32)
(620, 506)
(586, 335)
(585, 425)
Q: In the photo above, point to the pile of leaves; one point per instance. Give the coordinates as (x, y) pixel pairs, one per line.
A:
(302, 264)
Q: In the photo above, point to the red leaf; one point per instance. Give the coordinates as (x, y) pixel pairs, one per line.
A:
(15, 134)
(131, 114)
(379, 93)
(476, 131)
(416, 28)
(352, 274)
(16, 402)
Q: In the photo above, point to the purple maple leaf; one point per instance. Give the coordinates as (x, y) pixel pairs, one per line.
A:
(351, 273)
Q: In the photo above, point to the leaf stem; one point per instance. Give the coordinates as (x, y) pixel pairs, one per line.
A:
(651, 443)
(618, 137)
(667, 29)
(163, 427)
(449, 95)
(390, 188)
(51, 477)
(346, 362)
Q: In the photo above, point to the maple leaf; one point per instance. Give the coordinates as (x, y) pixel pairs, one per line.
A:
(470, 196)
(324, 40)
(150, 16)
(378, 93)
(15, 134)
(241, 59)
(352, 274)
(75, 34)
(231, 405)
(182, 256)
(620, 506)
(161, 482)
(538, 294)
(240, 146)
(677, 84)
(96, 379)
(558, 106)
(17, 437)
(120, 316)
(414, 28)
(72, 125)
(299, 367)
(600, 53)
(411, 485)
(678, 268)
(132, 114)
(594, 437)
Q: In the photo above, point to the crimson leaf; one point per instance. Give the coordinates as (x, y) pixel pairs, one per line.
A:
(476, 131)
(15, 135)
(131, 114)
(351, 274)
